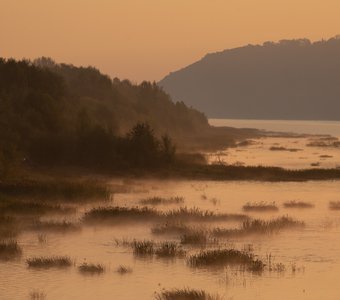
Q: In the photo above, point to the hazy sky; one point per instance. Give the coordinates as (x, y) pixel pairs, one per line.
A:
(147, 39)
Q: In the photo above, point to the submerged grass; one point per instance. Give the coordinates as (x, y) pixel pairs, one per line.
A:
(163, 201)
(37, 295)
(298, 204)
(89, 268)
(49, 262)
(9, 250)
(334, 205)
(55, 226)
(185, 294)
(122, 270)
(172, 228)
(258, 226)
(224, 257)
(260, 206)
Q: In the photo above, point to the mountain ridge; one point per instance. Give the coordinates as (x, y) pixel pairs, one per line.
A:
(290, 79)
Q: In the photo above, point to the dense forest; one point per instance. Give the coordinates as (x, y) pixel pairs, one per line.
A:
(290, 79)
(57, 114)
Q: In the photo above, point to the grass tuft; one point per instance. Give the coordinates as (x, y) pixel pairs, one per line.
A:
(163, 201)
(223, 257)
(185, 294)
(86, 268)
(49, 262)
(298, 204)
(9, 250)
(259, 227)
(169, 249)
(260, 206)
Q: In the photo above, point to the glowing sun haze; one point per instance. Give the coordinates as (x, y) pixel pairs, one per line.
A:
(147, 39)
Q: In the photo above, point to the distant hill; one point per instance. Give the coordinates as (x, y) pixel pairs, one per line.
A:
(291, 79)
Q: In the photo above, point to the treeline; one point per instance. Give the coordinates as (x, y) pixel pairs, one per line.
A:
(55, 114)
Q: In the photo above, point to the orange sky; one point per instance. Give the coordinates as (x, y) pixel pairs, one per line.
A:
(147, 39)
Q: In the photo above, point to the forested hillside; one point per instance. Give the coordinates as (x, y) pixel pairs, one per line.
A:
(57, 114)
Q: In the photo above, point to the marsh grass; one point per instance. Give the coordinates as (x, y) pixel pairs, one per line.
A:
(89, 268)
(162, 201)
(49, 262)
(185, 294)
(260, 207)
(196, 214)
(35, 208)
(298, 204)
(70, 189)
(122, 270)
(55, 226)
(169, 250)
(258, 226)
(224, 257)
(143, 247)
(9, 250)
(194, 237)
(165, 249)
(110, 214)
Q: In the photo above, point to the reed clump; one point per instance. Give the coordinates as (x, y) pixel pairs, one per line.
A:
(111, 214)
(89, 268)
(298, 204)
(196, 214)
(49, 262)
(258, 226)
(143, 247)
(185, 294)
(169, 250)
(260, 206)
(224, 257)
(165, 249)
(194, 237)
(9, 250)
(162, 201)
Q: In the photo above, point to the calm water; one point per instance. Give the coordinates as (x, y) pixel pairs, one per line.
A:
(295, 152)
(303, 127)
(315, 250)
